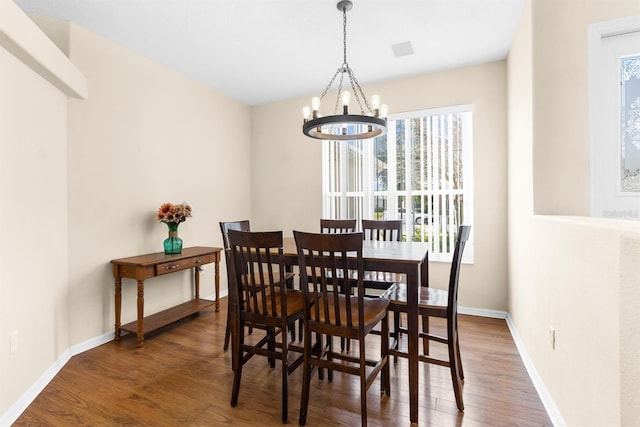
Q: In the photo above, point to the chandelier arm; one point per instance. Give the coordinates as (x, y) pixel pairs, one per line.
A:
(330, 83)
(356, 88)
(354, 79)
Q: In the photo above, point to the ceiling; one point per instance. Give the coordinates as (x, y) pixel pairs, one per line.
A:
(259, 51)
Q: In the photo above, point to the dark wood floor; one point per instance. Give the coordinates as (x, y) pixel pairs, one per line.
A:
(182, 377)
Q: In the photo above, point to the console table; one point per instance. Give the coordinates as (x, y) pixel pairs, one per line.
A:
(143, 267)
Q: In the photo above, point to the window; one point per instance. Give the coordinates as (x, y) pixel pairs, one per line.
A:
(420, 172)
(614, 118)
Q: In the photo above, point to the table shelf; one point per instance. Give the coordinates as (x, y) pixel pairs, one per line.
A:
(168, 316)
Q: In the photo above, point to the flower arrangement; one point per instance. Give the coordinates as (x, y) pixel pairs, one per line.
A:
(170, 213)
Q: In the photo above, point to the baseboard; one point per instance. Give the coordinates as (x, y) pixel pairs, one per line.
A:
(482, 312)
(545, 396)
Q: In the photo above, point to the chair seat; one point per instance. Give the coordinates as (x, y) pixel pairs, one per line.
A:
(295, 303)
(375, 309)
(429, 298)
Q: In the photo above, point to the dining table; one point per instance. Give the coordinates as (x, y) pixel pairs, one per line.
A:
(408, 258)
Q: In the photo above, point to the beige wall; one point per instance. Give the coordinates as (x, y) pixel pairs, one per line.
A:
(81, 183)
(33, 214)
(575, 274)
(287, 168)
(146, 135)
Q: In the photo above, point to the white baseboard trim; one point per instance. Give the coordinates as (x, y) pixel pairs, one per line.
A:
(482, 312)
(36, 388)
(545, 396)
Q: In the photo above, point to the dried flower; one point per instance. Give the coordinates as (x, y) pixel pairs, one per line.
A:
(168, 212)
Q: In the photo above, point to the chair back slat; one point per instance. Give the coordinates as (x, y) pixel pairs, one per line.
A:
(333, 226)
(387, 230)
(331, 264)
(259, 268)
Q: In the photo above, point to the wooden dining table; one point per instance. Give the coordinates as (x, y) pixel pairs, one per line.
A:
(409, 258)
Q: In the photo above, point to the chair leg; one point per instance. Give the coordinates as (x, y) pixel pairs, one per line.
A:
(363, 384)
(271, 345)
(306, 379)
(425, 340)
(227, 332)
(455, 369)
(329, 358)
(285, 377)
(460, 371)
(396, 333)
(238, 369)
(384, 353)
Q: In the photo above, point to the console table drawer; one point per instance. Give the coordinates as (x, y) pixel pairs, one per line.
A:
(183, 264)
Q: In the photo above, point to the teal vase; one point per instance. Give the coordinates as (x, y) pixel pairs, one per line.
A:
(173, 244)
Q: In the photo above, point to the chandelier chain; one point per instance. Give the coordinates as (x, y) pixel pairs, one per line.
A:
(344, 37)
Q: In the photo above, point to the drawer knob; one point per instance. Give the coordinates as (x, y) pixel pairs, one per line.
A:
(172, 267)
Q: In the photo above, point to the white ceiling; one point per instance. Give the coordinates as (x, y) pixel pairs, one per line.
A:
(259, 51)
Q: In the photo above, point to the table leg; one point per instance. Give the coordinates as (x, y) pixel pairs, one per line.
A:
(140, 313)
(196, 275)
(118, 307)
(424, 281)
(217, 282)
(413, 282)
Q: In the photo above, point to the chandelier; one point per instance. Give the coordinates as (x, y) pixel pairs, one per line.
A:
(369, 123)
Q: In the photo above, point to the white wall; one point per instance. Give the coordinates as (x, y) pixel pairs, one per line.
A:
(287, 168)
(578, 275)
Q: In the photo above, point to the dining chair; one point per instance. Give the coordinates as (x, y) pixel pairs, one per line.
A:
(382, 230)
(242, 225)
(333, 226)
(348, 315)
(264, 298)
(435, 303)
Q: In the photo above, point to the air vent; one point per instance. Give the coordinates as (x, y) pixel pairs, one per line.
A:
(402, 49)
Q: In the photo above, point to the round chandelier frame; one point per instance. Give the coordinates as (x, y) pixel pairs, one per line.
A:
(370, 123)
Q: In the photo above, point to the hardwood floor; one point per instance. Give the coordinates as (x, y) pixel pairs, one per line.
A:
(182, 377)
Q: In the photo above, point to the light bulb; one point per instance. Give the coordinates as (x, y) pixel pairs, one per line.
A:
(375, 102)
(306, 112)
(315, 103)
(345, 97)
(384, 110)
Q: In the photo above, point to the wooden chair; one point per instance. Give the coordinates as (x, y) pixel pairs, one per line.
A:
(224, 228)
(386, 230)
(348, 315)
(263, 299)
(435, 303)
(333, 226)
